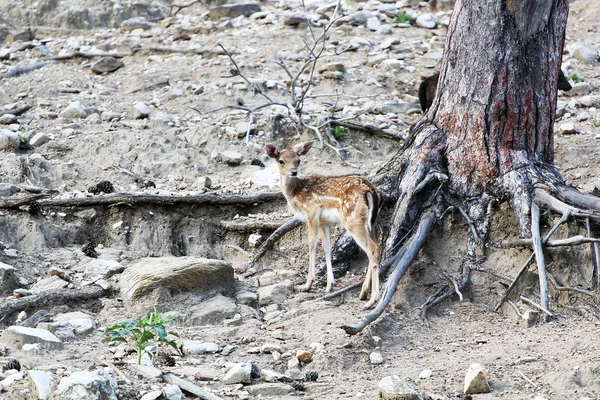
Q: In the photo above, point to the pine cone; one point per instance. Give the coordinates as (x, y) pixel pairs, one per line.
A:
(35, 208)
(312, 376)
(256, 161)
(89, 250)
(299, 386)
(168, 360)
(147, 184)
(255, 372)
(11, 364)
(106, 187)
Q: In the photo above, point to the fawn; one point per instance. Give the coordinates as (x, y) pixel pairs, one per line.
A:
(352, 201)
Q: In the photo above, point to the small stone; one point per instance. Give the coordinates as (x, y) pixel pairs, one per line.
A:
(86, 385)
(586, 54)
(335, 66)
(475, 380)
(18, 336)
(103, 268)
(42, 383)
(8, 189)
(8, 119)
(172, 392)
(140, 110)
(39, 139)
(373, 23)
(9, 141)
(242, 129)
(147, 371)
(304, 356)
(426, 21)
(394, 388)
(106, 65)
(531, 317)
(590, 101)
(232, 157)
(239, 373)
(135, 23)
(376, 358)
(425, 374)
(233, 11)
(49, 284)
(81, 322)
(73, 111)
(385, 29)
(254, 239)
(196, 347)
(568, 129)
(154, 395)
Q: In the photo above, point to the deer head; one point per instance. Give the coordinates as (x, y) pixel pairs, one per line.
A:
(288, 160)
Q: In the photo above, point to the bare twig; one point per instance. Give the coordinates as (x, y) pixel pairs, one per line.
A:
(536, 305)
(527, 379)
(341, 291)
(595, 250)
(250, 225)
(79, 54)
(539, 254)
(182, 6)
(557, 286)
(373, 130)
(17, 111)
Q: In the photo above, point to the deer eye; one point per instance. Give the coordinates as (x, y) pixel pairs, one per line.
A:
(281, 162)
(299, 162)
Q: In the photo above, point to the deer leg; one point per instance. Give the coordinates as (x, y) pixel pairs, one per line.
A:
(312, 253)
(365, 240)
(326, 241)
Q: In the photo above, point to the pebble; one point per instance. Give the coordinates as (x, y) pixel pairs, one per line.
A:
(568, 129)
(394, 388)
(475, 380)
(232, 157)
(373, 23)
(425, 374)
(304, 356)
(106, 65)
(140, 110)
(8, 119)
(73, 111)
(426, 21)
(376, 358)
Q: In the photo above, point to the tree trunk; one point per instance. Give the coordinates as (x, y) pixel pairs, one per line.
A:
(487, 138)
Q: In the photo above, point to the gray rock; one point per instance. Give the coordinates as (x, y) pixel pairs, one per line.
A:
(212, 311)
(109, 116)
(590, 101)
(239, 373)
(394, 388)
(106, 65)
(475, 380)
(10, 379)
(334, 66)
(395, 108)
(103, 268)
(64, 331)
(8, 279)
(586, 54)
(86, 385)
(73, 111)
(426, 21)
(49, 284)
(276, 390)
(9, 141)
(275, 294)
(268, 375)
(197, 347)
(39, 139)
(358, 18)
(373, 23)
(172, 392)
(5, 53)
(42, 383)
(17, 336)
(81, 322)
(385, 29)
(233, 11)
(579, 89)
(376, 358)
(425, 374)
(136, 23)
(8, 119)
(139, 110)
(266, 178)
(8, 189)
(232, 157)
(568, 129)
(41, 51)
(154, 395)
(175, 273)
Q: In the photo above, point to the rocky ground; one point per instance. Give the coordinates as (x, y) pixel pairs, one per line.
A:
(126, 92)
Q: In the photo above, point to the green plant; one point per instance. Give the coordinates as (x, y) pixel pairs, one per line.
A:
(338, 132)
(403, 18)
(427, 37)
(24, 143)
(28, 366)
(143, 333)
(574, 78)
(596, 123)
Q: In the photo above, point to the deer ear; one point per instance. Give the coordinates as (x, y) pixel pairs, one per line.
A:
(303, 148)
(272, 151)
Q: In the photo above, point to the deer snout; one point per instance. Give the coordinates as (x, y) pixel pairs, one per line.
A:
(294, 172)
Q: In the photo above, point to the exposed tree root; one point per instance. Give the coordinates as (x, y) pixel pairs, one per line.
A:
(447, 292)
(413, 246)
(246, 226)
(53, 298)
(539, 255)
(289, 225)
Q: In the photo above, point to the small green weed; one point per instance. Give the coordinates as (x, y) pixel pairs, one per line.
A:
(596, 123)
(24, 143)
(338, 132)
(574, 78)
(29, 366)
(403, 18)
(427, 37)
(143, 333)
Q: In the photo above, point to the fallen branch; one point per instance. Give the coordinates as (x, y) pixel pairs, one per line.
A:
(446, 293)
(131, 199)
(79, 54)
(53, 298)
(341, 291)
(595, 250)
(250, 225)
(21, 201)
(416, 242)
(190, 387)
(18, 71)
(182, 6)
(17, 111)
(165, 49)
(568, 288)
(289, 225)
(536, 305)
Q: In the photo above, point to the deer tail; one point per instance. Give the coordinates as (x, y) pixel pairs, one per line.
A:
(374, 203)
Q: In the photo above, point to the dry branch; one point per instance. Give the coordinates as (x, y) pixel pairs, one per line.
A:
(165, 49)
(572, 241)
(21, 201)
(79, 54)
(17, 111)
(414, 245)
(539, 254)
(446, 293)
(52, 298)
(558, 287)
(371, 129)
(132, 199)
(289, 225)
(190, 387)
